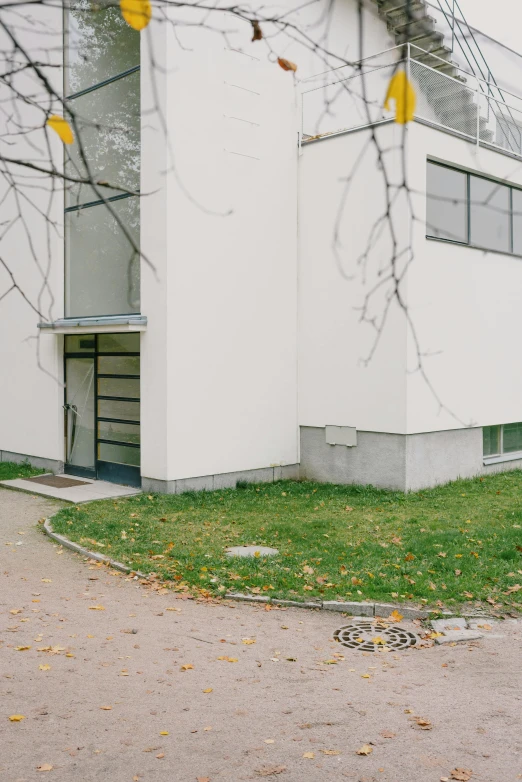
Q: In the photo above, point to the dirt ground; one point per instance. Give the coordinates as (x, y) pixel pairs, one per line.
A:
(117, 704)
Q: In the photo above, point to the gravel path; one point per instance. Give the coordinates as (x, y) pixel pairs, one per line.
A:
(116, 703)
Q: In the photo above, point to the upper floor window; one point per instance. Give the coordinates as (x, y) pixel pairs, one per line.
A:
(473, 210)
(102, 86)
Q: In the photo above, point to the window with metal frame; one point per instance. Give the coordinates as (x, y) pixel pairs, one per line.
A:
(502, 439)
(102, 224)
(472, 210)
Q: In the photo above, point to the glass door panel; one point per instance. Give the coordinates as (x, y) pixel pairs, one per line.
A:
(80, 390)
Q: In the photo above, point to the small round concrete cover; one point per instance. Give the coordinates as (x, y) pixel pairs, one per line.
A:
(251, 551)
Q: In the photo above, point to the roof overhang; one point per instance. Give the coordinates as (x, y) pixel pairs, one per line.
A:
(109, 324)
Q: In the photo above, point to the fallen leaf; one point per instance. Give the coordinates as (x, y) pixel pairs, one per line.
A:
(209, 689)
(47, 580)
(378, 640)
(269, 771)
(16, 610)
(106, 708)
(137, 14)
(269, 741)
(309, 755)
(331, 752)
(44, 767)
(164, 733)
(257, 33)
(286, 65)
(515, 588)
(365, 676)
(423, 724)
(365, 750)
(462, 774)
(187, 667)
(96, 608)
(387, 734)
(395, 616)
(16, 717)
(161, 755)
(44, 667)
(468, 594)
(248, 641)
(409, 557)
(21, 648)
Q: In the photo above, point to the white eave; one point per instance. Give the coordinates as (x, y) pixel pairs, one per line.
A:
(110, 324)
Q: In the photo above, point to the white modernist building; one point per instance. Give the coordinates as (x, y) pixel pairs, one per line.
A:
(321, 291)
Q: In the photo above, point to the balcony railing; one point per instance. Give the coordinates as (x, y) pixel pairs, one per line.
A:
(352, 97)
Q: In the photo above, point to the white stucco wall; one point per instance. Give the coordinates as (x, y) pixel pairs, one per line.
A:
(336, 386)
(465, 306)
(31, 391)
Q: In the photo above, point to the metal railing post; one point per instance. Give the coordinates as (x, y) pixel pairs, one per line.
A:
(453, 27)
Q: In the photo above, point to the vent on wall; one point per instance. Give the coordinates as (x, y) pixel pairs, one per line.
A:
(341, 435)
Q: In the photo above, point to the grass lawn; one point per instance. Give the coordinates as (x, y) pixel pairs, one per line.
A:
(10, 470)
(460, 543)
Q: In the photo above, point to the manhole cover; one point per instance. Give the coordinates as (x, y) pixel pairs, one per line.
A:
(251, 551)
(372, 637)
(57, 481)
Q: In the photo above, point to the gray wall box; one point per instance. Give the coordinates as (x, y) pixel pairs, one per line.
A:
(397, 461)
(341, 435)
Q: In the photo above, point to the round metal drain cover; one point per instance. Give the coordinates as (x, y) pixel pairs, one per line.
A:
(374, 637)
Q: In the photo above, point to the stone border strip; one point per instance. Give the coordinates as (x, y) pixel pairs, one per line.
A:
(354, 609)
(63, 541)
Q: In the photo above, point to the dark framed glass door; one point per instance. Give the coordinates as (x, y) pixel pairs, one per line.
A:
(102, 405)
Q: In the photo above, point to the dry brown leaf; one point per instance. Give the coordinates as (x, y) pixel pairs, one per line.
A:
(44, 767)
(331, 752)
(309, 755)
(21, 648)
(187, 667)
(96, 608)
(365, 750)
(387, 734)
(269, 771)
(106, 708)
(16, 717)
(462, 774)
(286, 65)
(257, 33)
(209, 689)
(423, 724)
(309, 570)
(16, 610)
(161, 755)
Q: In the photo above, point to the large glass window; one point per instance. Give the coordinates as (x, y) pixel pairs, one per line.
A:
(102, 225)
(489, 215)
(473, 210)
(446, 215)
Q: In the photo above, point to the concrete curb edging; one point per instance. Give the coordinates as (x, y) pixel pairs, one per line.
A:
(63, 541)
(382, 610)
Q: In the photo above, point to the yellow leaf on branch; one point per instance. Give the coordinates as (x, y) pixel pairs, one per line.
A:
(400, 89)
(137, 13)
(63, 129)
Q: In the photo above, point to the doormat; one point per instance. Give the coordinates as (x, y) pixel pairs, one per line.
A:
(57, 481)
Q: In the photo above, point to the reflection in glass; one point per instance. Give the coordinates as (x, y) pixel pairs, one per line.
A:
(113, 408)
(125, 433)
(446, 209)
(119, 343)
(79, 395)
(119, 365)
(119, 453)
(100, 44)
(489, 215)
(491, 440)
(102, 267)
(110, 386)
(108, 121)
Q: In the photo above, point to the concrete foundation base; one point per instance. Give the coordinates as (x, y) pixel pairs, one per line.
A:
(228, 480)
(40, 463)
(397, 461)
